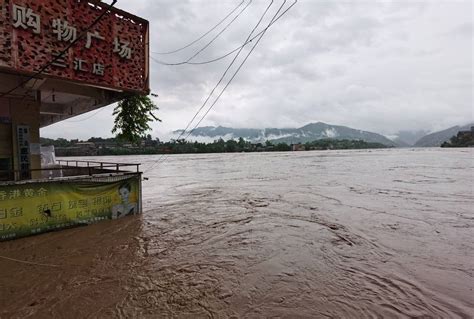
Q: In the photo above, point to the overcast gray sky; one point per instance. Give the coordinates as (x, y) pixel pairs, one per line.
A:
(372, 65)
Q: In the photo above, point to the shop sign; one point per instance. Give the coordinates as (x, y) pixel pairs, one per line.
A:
(113, 53)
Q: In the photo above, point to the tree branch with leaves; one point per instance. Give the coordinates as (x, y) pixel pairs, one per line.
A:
(132, 117)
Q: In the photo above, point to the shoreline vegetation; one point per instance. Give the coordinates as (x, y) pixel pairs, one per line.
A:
(463, 139)
(113, 146)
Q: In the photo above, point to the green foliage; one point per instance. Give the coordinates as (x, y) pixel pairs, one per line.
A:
(241, 143)
(282, 147)
(60, 142)
(463, 139)
(147, 145)
(132, 117)
(231, 146)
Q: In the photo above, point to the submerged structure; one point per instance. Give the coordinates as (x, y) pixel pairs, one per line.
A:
(59, 59)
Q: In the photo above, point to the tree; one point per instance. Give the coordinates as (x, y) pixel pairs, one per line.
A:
(268, 143)
(219, 146)
(231, 146)
(463, 139)
(132, 117)
(241, 142)
(282, 147)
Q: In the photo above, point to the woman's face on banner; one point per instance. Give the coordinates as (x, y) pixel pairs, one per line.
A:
(124, 193)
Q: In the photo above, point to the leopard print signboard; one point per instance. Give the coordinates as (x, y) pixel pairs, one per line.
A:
(112, 54)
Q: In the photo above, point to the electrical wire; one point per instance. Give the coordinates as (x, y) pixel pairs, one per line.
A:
(47, 65)
(202, 36)
(213, 39)
(27, 93)
(47, 97)
(162, 158)
(218, 34)
(82, 120)
(225, 55)
(235, 73)
(218, 83)
(225, 72)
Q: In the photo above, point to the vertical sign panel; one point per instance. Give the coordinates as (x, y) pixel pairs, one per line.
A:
(23, 139)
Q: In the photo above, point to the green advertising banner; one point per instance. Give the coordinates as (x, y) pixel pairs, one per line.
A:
(33, 208)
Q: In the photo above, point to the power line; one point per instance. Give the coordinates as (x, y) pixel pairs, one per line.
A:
(218, 34)
(218, 83)
(215, 37)
(225, 73)
(225, 55)
(237, 71)
(82, 120)
(28, 91)
(59, 56)
(202, 36)
(233, 76)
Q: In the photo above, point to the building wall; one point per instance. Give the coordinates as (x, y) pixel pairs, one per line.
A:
(15, 112)
(6, 151)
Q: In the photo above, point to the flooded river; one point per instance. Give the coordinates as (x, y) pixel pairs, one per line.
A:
(324, 234)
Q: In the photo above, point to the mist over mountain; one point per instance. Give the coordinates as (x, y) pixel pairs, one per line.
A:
(437, 138)
(307, 133)
(408, 138)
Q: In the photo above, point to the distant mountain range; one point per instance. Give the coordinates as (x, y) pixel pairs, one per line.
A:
(319, 130)
(438, 138)
(307, 133)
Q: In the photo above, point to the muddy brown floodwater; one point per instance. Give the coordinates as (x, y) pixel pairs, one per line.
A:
(336, 234)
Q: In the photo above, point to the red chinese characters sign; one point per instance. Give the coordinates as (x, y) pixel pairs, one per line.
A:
(112, 54)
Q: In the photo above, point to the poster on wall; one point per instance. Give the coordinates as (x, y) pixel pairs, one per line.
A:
(34, 208)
